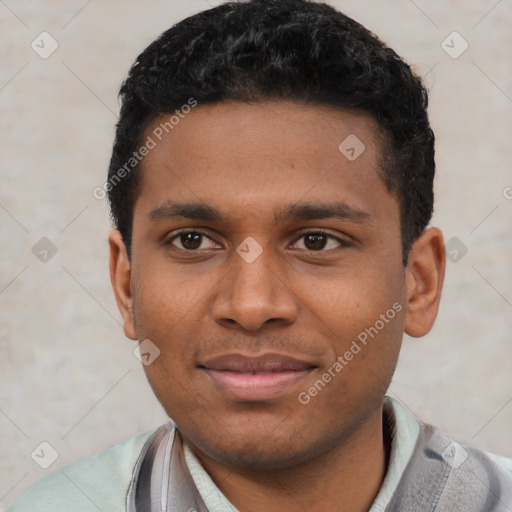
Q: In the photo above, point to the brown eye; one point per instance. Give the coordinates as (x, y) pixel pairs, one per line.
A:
(191, 241)
(321, 242)
(315, 242)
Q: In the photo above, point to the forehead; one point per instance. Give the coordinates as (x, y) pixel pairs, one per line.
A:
(259, 157)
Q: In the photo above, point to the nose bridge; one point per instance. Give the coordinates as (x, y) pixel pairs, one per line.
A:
(252, 293)
(253, 276)
(253, 281)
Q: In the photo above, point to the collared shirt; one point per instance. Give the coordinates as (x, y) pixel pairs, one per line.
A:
(404, 432)
(101, 481)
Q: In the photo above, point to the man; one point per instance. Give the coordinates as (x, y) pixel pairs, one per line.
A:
(271, 184)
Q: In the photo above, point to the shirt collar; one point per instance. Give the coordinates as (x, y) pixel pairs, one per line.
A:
(404, 429)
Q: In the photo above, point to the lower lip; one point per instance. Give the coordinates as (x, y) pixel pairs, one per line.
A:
(258, 386)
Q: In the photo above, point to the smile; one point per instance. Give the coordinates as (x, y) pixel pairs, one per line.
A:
(243, 378)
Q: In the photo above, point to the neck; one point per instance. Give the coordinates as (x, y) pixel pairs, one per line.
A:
(346, 479)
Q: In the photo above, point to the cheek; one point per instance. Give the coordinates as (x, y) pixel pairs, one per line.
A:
(170, 309)
(166, 299)
(356, 300)
(364, 316)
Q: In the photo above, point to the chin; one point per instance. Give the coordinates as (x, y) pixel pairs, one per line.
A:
(258, 447)
(260, 455)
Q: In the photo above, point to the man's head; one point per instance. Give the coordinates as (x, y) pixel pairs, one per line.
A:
(268, 225)
(280, 49)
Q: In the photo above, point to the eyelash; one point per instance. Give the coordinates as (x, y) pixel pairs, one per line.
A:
(343, 243)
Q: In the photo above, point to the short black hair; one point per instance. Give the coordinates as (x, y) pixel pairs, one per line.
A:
(297, 50)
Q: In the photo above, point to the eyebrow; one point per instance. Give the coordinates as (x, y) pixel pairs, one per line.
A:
(186, 210)
(314, 211)
(296, 211)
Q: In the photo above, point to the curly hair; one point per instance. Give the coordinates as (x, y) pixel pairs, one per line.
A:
(296, 50)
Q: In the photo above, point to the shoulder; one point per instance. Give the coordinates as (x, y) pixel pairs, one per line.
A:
(407, 429)
(467, 478)
(442, 474)
(97, 482)
(504, 462)
(463, 455)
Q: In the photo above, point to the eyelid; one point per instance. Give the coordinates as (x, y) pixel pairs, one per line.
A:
(342, 241)
(177, 234)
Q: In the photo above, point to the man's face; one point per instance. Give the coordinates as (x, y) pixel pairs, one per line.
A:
(245, 337)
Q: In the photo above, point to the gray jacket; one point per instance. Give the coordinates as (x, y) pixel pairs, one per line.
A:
(441, 476)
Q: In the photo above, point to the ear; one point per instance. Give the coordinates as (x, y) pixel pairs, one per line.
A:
(120, 277)
(424, 276)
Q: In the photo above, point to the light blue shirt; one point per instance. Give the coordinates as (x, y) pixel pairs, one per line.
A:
(101, 481)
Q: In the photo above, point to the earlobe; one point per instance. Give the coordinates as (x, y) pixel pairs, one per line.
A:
(120, 277)
(424, 281)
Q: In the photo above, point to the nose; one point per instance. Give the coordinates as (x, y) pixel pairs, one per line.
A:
(253, 295)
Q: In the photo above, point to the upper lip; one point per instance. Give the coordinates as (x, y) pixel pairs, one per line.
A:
(264, 363)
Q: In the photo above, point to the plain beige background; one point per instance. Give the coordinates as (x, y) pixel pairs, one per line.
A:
(68, 375)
